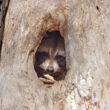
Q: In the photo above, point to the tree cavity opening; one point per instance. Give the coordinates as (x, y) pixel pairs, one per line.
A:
(50, 58)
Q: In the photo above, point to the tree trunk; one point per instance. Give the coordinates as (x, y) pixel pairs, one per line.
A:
(85, 26)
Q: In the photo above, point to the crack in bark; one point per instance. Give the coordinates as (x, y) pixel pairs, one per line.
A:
(3, 10)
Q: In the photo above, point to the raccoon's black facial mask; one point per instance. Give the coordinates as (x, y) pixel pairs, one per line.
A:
(61, 61)
(50, 57)
(41, 57)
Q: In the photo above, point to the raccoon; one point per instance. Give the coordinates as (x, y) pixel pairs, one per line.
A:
(50, 56)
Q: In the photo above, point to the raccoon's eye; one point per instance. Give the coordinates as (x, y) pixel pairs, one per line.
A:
(61, 61)
(41, 57)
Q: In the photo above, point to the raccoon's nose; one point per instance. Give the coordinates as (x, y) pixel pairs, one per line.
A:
(50, 69)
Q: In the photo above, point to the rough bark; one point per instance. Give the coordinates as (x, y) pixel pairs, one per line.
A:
(85, 26)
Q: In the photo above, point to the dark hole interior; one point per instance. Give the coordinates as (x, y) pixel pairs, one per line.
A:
(3, 10)
(0, 5)
(50, 58)
(97, 7)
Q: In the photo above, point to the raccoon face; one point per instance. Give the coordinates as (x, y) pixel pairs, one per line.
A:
(49, 63)
(50, 56)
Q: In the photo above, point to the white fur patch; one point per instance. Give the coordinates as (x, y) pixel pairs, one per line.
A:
(48, 62)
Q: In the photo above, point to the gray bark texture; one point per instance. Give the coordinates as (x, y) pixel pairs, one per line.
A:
(85, 25)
